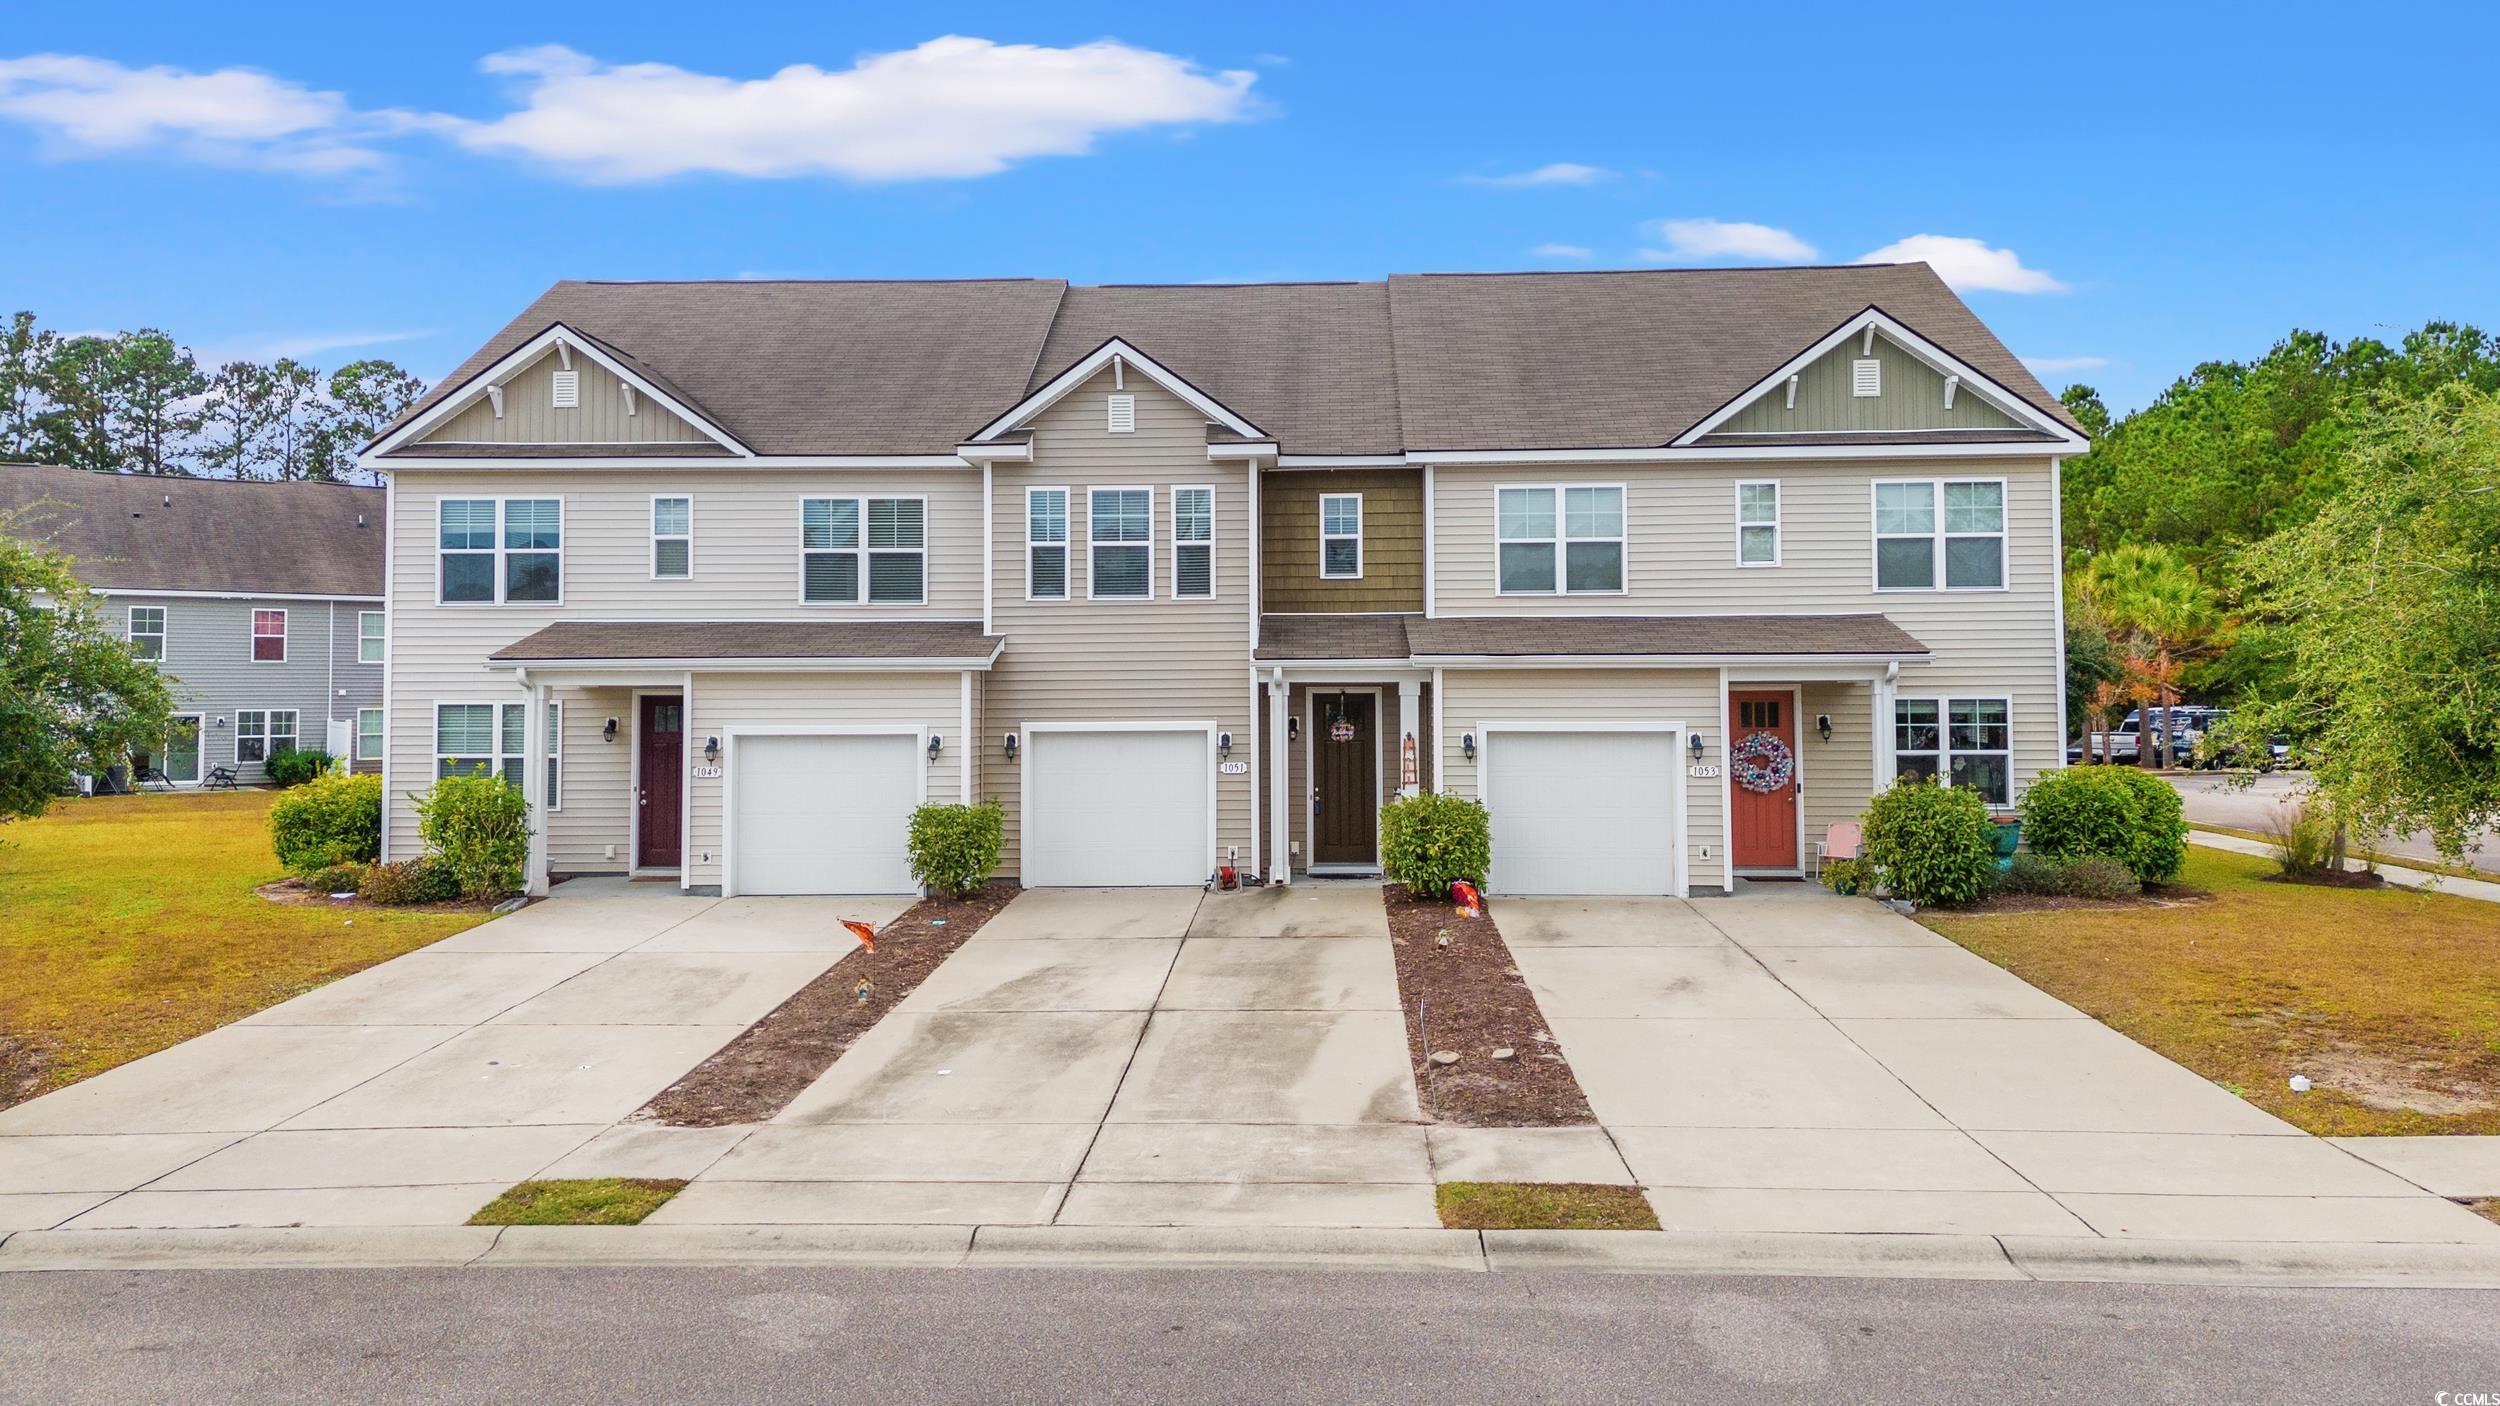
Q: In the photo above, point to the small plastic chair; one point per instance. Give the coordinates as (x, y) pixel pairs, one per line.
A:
(1841, 841)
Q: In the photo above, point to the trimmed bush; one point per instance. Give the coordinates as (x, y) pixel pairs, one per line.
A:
(2034, 874)
(954, 847)
(1430, 840)
(1933, 844)
(410, 881)
(337, 878)
(479, 827)
(331, 819)
(1848, 877)
(2120, 813)
(2097, 876)
(295, 768)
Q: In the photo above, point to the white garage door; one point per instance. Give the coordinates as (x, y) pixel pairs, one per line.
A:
(824, 814)
(1116, 809)
(1581, 812)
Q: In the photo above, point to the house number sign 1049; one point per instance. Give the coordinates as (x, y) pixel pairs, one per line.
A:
(707, 773)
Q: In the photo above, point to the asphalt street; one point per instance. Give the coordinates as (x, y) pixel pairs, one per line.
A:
(773, 1335)
(2210, 799)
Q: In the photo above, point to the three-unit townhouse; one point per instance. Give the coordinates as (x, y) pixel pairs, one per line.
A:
(1672, 569)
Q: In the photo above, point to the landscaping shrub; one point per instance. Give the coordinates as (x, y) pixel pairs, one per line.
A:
(479, 827)
(2033, 874)
(2098, 876)
(295, 768)
(1933, 844)
(410, 881)
(2120, 813)
(1430, 840)
(336, 878)
(2303, 838)
(331, 819)
(1849, 876)
(954, 847)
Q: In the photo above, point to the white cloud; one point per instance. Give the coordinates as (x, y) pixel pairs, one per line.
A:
(1725, 239)
(1967, 265)
(1563, 251)
(2063, 365)
(231, 117)
(296, 346)
(1557, 173)
(952, 107)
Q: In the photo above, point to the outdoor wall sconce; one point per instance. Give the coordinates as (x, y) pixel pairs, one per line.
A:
(937, 744)
(711, 749)
(1011, 746)
(1223, 744)
(1823, 725)
(1696, 749)
(607, 733)
(1293, 727)
(1466, 744)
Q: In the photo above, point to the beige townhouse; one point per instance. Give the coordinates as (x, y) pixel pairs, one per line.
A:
(1672, 569)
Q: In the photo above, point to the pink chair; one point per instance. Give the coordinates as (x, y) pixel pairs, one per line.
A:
(1841, 841)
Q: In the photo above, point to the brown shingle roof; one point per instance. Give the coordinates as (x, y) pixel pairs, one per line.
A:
(1520, 636)
(1333, 636)
(146, 532)
(751, 639)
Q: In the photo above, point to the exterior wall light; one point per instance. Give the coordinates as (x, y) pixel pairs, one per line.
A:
(1467, 744)
(711, 749)
(1011, 746)
(1697, 749)
(1823, 725)
(607, 732)
(1223, 744)
(1293, 727)
(937, 744)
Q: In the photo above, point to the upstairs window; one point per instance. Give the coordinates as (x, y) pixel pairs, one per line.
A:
(871, 549)
(268, 636)
(1565, 540)
(480, 563)
(1341, 536)
(369, 638)
(147, 631)
(672, 539)
(1120, 528)
(467, 545)
(533, 539)
(1193, 543)
(1963, 547)
(1757, 524)
(1046, 543)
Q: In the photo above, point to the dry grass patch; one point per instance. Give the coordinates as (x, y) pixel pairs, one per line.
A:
(590, 1201)
(1543, 1205)
(128, 923)
(2387, 999)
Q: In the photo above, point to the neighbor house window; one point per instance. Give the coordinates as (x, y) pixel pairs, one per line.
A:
(1560, 540)
(481, 564)
(1193, 543)
(1757, 524)
(1963, 546)
(268, 636)
(1341, 536)
(880, 544)
(368, 637)
(1966, 741)
(262, 733)
(147, 631)
(1120, 528)
(368, 734)
(672, 539)
(1046, 543)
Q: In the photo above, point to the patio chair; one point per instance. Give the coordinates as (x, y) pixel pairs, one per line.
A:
(1840, 841)
(220, 778)
(142, 774)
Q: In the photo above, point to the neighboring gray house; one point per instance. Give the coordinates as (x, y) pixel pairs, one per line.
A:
(262, 600)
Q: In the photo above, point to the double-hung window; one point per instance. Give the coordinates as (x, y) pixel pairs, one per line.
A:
(268, 636)
(1566, 540)
(147, 631)
(1120, 529)
(1341, 536)
(1966, 741)
(508, 549)
(533, 542)
(879, 545)
(1046, 543)
(368, 734)
(467, 546)
(1193, 543)
(672, 538)
(369, 636)
(262, 733)
(1757, 524)
(1931, 532)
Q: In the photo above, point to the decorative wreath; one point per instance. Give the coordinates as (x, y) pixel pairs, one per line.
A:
(1762, 763)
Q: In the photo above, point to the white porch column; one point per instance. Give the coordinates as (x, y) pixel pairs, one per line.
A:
(1410, 707)
(1884, 740)
(1279, 862)
(965, 745)
(534, 784)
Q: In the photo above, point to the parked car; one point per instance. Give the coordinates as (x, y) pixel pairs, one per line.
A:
(2126, 742)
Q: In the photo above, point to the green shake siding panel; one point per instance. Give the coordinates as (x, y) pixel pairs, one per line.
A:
(1912, 399)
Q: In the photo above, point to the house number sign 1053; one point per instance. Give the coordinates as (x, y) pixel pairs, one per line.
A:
(1702, 773)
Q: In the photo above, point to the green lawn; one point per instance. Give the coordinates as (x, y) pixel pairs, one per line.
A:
(2388, 999)
(128, 923)
(1541, 1205)
(591, 1201)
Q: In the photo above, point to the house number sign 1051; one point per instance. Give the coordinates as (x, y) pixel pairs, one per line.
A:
(1234, 768)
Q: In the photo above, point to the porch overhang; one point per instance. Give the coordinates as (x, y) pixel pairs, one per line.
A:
(623, 652)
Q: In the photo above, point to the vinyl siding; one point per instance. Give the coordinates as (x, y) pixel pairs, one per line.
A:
(208, 654)
(1082, 660)
(1393, 541)
(595, 804)
(1912, 399)
(1839, 775)
(530, 416)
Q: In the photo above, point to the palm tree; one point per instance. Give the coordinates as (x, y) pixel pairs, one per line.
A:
(2167, 614)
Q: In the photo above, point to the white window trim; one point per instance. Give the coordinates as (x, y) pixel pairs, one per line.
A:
(1067, 548)
(1174, 495)
(380, 638)
(381, 736)
(1091, 578)
(687, 536)
(1944, 739)
(495, 757)
(253, 637)
(1560, 538)
(499, 551)
(1326, 537)
(134, 634)
(863, 551)
(268, 734)
(1778, 507)
(1935, 487)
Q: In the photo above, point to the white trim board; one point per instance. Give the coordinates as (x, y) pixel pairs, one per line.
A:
(557, 336)
(1129, 358)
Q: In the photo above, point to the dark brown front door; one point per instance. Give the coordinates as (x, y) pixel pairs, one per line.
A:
(1345, 769)
(662, 738)
(1765, 823)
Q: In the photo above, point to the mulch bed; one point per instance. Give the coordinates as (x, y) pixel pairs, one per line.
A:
(756, 1075)
(293, 891)
(2334, 879)
(1468, 997)
(24, 1068)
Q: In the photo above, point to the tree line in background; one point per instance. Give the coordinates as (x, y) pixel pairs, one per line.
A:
(140, 402)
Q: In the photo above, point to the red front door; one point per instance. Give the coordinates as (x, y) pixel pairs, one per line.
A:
(662, 740)
(1764, 827)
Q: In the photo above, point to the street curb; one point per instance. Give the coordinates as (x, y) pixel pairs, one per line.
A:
(298, 1247)
(2278, 1264)
(1800, 1254)
(941, 1246)
(1224, 1247)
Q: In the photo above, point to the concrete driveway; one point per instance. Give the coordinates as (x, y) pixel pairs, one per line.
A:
(1786, 1060)
(416, 1091)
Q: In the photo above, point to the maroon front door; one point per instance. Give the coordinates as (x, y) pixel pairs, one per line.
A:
(1764, 827)
(657, 812)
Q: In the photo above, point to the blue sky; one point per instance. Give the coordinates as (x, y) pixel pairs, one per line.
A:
(2120, 191)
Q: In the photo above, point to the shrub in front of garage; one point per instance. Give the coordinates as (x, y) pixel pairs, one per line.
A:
(954, 848)
(1934, 845)
(331, 819)
(1433, 839)
(478, 827)
(2108, 812)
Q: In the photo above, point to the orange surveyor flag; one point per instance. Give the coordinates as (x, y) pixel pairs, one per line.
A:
(867, 935)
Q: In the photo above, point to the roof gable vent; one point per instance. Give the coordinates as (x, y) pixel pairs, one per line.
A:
(1123, 414)
(568, 389)
(1866, 377)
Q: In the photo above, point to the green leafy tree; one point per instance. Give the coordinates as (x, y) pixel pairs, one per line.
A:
(72, 696)
(234, 439)
(365, 397)
(75, 425)
(294, 415)
(151, 391)
(25, 352)
(2150, 594)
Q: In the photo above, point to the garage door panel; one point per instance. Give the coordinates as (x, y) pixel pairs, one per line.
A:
(1582, 812)
(1113, 809)
(820, 814)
